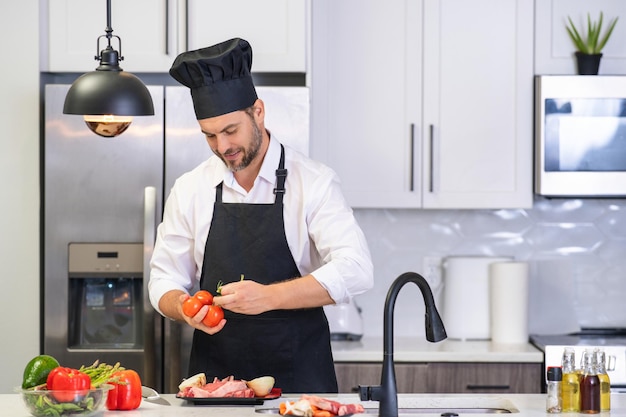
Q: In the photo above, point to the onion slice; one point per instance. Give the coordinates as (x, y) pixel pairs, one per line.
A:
(261, 385)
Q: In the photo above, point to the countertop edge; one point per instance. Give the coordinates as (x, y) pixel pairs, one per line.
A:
(414, 350)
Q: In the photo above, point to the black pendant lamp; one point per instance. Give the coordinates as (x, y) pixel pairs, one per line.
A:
(108, 97)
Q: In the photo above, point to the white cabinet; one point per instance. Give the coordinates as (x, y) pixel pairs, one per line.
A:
(154, 32)
(477, 103)
(554, 50)
(425, 103)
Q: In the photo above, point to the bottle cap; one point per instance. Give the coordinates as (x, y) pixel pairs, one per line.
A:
(555, 373)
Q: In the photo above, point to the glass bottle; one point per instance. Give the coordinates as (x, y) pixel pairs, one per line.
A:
(553, 388)
(590, 385)
(570, 386)
(605, 382)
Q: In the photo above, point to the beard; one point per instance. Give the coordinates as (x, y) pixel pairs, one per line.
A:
(248, 154)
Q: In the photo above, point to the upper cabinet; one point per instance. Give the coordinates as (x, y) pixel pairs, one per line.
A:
(425, 103)
(554, 50)
(154, 32)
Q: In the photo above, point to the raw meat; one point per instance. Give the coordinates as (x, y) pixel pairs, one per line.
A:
(227, 387)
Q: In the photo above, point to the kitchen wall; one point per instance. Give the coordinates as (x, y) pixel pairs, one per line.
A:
(19, 170)
(576, 250)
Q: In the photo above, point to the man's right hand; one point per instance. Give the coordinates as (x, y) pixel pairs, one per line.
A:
(196, 321)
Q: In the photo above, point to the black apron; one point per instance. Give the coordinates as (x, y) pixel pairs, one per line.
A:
(293, 346)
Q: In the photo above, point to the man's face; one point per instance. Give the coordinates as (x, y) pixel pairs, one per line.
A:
(234, 137)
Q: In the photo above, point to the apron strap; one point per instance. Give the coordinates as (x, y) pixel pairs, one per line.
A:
(218, 192)
(281, 176)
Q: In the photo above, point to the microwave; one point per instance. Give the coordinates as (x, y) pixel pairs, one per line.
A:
(580, 136)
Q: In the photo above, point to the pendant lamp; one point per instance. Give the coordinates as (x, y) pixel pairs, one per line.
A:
(108, 97)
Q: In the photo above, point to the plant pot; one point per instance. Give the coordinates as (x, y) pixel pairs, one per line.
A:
(588, 64)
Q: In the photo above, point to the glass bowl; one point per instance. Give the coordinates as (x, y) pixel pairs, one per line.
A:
(45, 403)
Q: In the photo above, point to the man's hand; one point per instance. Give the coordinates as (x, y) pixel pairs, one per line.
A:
(250, 297)
(171, 304)
(245, 297)
(196, 321)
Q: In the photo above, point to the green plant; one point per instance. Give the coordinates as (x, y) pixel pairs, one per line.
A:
(593, 43)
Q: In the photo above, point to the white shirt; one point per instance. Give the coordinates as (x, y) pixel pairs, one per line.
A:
(322, 233)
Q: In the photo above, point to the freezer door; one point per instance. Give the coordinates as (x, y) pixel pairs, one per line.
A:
(98, 190)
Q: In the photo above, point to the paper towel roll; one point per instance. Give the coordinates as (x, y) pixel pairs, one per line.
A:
(509, 302)
(466, 304)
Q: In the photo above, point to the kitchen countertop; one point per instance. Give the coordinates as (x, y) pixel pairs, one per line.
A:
(370, 349)
(526, 405)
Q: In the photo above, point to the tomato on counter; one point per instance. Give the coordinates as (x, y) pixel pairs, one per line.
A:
(126, 392)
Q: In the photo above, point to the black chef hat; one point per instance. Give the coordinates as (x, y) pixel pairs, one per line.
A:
(218, 76)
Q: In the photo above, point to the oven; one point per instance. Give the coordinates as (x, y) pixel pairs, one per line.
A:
(612, 341)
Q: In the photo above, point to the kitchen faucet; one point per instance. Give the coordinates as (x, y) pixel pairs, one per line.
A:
(387, 393)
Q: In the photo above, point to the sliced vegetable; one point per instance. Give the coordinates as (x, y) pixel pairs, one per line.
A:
(261, 385)
(126, 392)
(198, 380)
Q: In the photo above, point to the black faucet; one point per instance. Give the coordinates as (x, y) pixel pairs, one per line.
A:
(387, 393)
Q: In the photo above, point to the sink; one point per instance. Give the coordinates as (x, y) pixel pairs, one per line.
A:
(444, 405)
(448, 412)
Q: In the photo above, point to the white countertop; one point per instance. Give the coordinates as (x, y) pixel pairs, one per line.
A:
(370, 349)
(526, 405)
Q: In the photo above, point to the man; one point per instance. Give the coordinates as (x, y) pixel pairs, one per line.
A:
(265, 222)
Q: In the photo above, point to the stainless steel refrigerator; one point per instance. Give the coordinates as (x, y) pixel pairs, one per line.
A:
(102, 201)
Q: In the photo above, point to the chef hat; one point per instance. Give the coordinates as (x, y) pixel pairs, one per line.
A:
(218, 76)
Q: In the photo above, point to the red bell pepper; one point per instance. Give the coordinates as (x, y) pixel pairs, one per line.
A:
(67, 383)
(126, 392)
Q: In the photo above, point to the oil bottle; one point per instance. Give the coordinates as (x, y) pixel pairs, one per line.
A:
(570, 385)
(605, 382)
(590, 385)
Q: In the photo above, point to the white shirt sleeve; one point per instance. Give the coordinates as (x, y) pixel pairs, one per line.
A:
(322, 233)
(345, 267)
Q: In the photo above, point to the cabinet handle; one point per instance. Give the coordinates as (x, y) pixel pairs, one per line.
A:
(431, 180)
(485, 387)
(412, 158)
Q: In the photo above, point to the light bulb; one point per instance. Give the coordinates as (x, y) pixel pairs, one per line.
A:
(108, 125)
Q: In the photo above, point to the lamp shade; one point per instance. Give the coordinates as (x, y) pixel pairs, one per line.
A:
(104, 92)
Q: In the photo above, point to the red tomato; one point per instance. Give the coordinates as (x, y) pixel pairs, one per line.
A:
(214, 316)
(204, 296)
(68, 383)
(126, 393)
(191, 306)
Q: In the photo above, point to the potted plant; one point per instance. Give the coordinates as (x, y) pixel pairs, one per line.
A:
(589, 47)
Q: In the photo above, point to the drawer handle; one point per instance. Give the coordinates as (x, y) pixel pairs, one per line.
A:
(483, 387)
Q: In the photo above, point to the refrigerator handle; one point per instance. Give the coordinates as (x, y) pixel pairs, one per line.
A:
(151, 353)
(149, 224)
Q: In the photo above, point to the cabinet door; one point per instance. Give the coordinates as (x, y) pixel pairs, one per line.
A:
(147, 29)
(365, 79)
(410, 378)
(276, 29)
(554, 50)
(478, 83)
(485, 377)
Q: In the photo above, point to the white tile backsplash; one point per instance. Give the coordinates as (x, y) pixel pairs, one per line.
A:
(576, 249)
